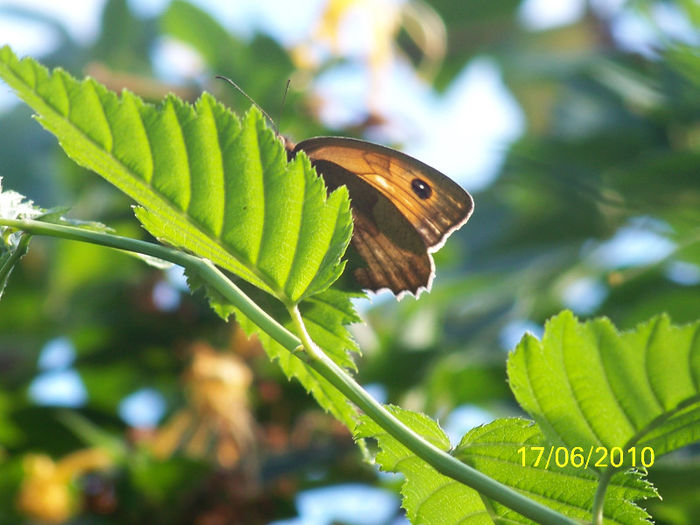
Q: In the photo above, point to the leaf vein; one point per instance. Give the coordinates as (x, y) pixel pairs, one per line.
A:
(647, 362)
(608, 383)
(433, 494)
(263, 197)
(294, 262)
(572, 390)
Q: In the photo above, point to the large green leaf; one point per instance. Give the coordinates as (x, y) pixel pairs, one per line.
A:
(206, 183)
(587, 385)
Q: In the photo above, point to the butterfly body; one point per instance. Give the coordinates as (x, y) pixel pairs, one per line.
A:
(403, 209)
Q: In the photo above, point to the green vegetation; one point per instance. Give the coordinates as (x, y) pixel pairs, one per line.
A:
(611, 150)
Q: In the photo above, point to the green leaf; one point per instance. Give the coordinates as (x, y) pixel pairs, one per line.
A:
(586, 384)
(428, 496)
(205, 182)
(498, 450)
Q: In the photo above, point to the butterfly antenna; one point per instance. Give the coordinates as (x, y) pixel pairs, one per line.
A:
(284, 99)
(251, 101)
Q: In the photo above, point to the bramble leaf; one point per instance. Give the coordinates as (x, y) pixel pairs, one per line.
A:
(204, 182)
(586, 384)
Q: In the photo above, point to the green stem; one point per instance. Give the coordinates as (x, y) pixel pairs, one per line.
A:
(599, 499)
(317, 359)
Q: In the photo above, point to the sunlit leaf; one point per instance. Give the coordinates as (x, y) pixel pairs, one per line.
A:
(205, 182)
(586, 384)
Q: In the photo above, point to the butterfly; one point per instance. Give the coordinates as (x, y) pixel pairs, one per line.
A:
(403, 210)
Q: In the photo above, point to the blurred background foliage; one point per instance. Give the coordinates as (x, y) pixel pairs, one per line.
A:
(123, 399)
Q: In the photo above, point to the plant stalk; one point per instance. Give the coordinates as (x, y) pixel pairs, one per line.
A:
(318, 360)
(599, 498)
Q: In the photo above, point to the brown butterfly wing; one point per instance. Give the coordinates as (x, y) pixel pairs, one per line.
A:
(402, 209)
(395, 255)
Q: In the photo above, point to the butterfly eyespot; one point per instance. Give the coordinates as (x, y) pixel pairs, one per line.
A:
(395, 238)
(421, 188)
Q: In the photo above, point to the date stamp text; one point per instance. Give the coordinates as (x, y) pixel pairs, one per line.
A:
(578, 457)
